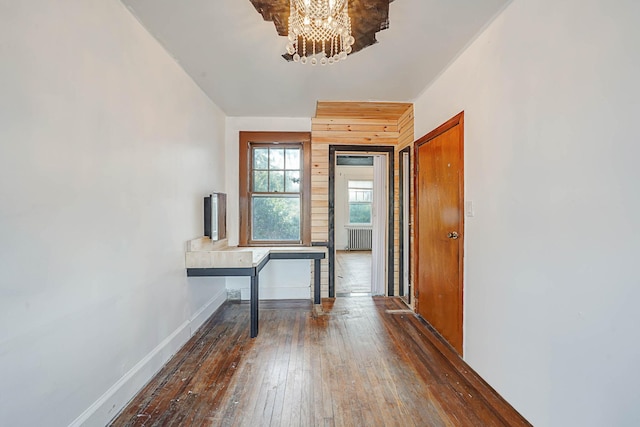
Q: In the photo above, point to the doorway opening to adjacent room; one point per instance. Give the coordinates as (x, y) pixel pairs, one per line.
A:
(360, 220)
(354, 204)
(404, 225)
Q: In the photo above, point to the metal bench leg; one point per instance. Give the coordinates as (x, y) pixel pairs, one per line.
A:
(254, 305)
(316, 281)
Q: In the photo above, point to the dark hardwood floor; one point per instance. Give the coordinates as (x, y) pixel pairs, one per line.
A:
(360, 362)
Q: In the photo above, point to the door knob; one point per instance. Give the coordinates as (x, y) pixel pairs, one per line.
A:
(453, 235)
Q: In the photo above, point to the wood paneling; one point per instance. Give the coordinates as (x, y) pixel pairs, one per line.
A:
(356, 123)
(357, 362)
(353, 127)
(365, 134)
(391, 112)
(365, 139)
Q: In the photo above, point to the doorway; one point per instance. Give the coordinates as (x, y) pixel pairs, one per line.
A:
(404, 234)
(439, 229)
(387, 227)
(354, 225)
(353, 273)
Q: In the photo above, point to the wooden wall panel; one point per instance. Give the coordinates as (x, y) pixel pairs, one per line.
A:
(361, 110)
(329, 127)
(320, 205)
(355, 123)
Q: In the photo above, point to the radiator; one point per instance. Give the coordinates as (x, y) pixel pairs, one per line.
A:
(359, 238)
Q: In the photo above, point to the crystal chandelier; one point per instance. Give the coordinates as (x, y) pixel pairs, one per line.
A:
(319, 31)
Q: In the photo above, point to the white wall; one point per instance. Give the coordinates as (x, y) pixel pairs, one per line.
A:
(279, 279)
(550, 92)
(342, 176)
(106, 150)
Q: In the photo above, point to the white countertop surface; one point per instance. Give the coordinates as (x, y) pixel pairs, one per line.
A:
(202, 253)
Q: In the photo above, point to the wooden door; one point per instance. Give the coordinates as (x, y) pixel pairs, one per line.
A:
(439, 229)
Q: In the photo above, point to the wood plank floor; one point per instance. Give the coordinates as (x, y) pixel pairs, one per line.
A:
(360, 362)
(353, 272)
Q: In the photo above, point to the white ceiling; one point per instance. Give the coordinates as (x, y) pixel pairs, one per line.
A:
(234, 55)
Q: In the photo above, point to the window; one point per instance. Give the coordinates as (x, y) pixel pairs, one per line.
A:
(360, 199)
(275, 188)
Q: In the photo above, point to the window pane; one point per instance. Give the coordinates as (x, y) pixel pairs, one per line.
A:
(276, 158)
(293, 158)
(260, 158)
(261, 181)
(275, 218)
(276, 181)
(360, 213)
(292, 182)
(360, 184)
(360, 195)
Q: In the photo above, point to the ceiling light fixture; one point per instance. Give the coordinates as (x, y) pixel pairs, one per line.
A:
(319, 29)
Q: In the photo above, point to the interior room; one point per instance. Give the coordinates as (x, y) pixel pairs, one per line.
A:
(118, 117)
(353, 223)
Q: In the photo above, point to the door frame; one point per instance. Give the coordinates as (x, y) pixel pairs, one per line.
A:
(401, 211)
(458, 119)
(376, 149)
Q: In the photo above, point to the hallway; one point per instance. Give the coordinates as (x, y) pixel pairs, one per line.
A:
(353, 273)
(359, 362)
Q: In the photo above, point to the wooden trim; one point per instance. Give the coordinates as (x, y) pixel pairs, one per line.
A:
(390, 150)
(243, 188)
(306, 191)
(456, 120)
(246, 140)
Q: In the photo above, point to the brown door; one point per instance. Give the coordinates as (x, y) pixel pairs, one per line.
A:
(439, 229)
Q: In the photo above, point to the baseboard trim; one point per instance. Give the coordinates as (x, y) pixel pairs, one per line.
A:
(202, 315)
(118, 395)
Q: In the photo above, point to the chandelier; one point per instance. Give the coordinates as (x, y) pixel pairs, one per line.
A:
(319, 29)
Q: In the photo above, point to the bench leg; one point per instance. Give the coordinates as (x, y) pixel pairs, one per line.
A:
(254, 306)
(316, 281)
